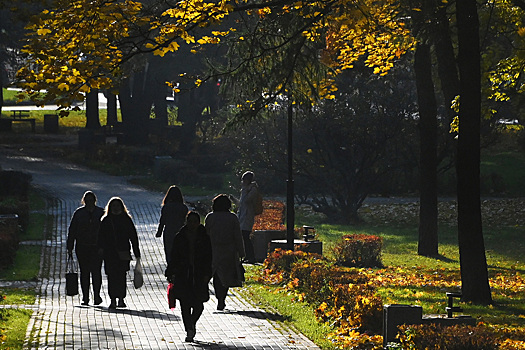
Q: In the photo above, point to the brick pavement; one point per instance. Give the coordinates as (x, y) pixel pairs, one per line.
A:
(60, 322)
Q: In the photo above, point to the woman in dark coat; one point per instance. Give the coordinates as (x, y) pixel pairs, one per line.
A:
(190, 271)
(116, 233)
(172, 217)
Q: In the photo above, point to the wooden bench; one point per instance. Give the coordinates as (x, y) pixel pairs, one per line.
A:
(17, 116)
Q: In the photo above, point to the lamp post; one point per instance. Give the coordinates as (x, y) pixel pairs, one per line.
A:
(290, 210)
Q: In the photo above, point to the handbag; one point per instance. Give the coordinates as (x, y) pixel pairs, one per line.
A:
(138, 278)
(172, 301)
(71, 276)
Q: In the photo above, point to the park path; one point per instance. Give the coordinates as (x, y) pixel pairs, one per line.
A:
(60, 322)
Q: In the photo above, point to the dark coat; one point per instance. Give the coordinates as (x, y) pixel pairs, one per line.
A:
(190, 280)
(117, 233)
(83, 229)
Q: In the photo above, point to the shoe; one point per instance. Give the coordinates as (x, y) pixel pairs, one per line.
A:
(121, 303)
(189, 336)
(98, 301)
(113, 304)
(85, 302)
(221, 305)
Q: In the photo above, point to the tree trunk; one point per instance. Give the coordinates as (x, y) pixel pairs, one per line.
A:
(92, 115)
(135, 104)
(161, 106)
(188, 108)
(1, 88)
(474, 273)
(428, 205)
(112, 118)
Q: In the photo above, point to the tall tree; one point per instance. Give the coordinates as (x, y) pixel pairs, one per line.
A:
(428, 213)
(474, 274)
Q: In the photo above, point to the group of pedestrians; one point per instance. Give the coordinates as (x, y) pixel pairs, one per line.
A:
(195, 252)
(103, 235)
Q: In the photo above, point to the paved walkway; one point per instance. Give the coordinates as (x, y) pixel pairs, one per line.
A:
(60, 322)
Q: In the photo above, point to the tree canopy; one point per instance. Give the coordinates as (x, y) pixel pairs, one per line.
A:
(81, 45)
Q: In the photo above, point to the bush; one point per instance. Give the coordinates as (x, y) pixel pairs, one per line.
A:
(359, 250)
(278, 264)
(317, 279)
(14, 183)
(347, 300)
(458, 337)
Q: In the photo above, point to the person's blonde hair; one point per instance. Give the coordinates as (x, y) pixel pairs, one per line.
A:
(119, 200)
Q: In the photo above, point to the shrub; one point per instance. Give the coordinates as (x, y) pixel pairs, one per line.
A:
(278, 264)
(316, 279)
(353, 307)
(347, 300)
(458, 337)
(14, 183)
(359, 250)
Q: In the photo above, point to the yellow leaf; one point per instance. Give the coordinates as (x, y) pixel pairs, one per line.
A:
(63, 87)
(43, 31)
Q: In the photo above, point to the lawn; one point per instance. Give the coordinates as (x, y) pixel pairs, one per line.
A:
(408, 278)
(13, 322)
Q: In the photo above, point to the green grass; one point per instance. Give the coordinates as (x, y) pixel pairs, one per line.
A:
(18, 296)
(13, 324)
(26, 265)
(504, 247)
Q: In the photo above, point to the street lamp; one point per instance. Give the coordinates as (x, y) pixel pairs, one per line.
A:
(290, 210)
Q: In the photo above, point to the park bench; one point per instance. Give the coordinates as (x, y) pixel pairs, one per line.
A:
(17, 116)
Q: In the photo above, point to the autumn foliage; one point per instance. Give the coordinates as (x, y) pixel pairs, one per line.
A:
(359, 250)
(272, 217)
(459, 337)
(345, 297)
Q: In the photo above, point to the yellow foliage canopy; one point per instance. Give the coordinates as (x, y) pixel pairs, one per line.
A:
(82, 44)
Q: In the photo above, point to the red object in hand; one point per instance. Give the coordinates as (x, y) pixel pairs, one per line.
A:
(171, 296)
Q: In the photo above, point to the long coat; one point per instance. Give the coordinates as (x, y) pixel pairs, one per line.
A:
(247, 206)
(172, 218)
(189, 268)
(227, 246)
(117, 233)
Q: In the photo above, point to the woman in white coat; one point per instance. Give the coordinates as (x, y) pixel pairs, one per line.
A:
(227, 247)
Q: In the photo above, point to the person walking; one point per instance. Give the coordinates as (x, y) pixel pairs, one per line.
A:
(116, 232)
(172, 217)
(190, 270)
(227, 247)
(83, 237)
(247, 212)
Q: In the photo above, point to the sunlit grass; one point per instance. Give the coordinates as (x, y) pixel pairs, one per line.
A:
(424, 281)
(13, 324)
(18, 296)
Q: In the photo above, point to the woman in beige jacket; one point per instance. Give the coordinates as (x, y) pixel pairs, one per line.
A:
(227, 248)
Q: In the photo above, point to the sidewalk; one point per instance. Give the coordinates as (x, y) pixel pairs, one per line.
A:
(60, 322)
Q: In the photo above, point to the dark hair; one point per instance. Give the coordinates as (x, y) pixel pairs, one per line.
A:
(249, 175)
(88, 193)
(193, 213)
(221, 203)
(174, 194)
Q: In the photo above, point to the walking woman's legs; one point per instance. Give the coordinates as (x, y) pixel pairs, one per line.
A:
(220, 292)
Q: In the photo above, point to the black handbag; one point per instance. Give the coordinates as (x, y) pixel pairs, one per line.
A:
(71, 276)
